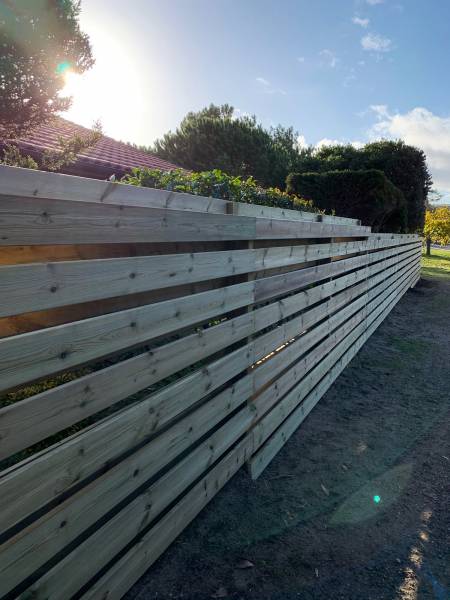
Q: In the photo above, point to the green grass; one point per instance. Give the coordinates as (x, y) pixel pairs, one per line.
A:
(436, 265)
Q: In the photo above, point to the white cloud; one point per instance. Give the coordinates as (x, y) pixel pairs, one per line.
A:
(380, 110)
(423, 129)
(329, 57)
(376, 43)
(361, 22)
(268, 88)
(301, 141)
(329, 142)
(301, 59)
(326, 142)
(374, 2)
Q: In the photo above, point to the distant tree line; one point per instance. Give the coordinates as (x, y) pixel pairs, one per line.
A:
(385, 184)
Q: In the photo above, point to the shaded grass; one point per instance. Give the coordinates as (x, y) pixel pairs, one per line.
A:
(436, 265)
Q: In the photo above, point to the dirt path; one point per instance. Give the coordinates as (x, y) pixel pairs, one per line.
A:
(356, 505)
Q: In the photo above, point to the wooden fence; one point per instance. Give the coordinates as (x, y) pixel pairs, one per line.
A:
(152, 343)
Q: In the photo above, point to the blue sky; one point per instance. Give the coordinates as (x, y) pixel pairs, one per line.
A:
(344, 70)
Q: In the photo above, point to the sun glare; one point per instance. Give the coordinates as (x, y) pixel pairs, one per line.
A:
(73, 84)
(112, 91)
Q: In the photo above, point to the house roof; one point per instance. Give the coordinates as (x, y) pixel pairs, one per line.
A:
(107, 157)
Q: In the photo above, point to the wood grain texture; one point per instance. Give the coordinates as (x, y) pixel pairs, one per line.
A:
(31, 420)
(56, 470)
(25, 288)
(38, 354)
(150, 546)
(64, 579)
(343, 353)
(238, 326)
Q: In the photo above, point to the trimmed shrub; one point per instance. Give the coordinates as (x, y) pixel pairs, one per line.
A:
(366, 195)
(404, 166)
(217, 184)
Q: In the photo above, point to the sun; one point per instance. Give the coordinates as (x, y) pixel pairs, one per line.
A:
(74, 84)
(116, 90)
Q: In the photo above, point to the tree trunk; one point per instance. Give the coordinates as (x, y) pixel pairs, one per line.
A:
(428, 243)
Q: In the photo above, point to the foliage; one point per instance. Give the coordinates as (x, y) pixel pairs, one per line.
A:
(405, 166)
(13, 158)
(437, 225)
(40, 40)
(366, 195)
(216, 138)
(217, 185)
(53, 160)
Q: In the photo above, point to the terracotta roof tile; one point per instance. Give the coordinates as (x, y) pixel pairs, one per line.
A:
(107, 156)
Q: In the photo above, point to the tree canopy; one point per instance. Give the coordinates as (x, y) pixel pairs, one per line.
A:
(217, 138)
(437, 225)
(367, 195)
(40, 40)
(405, 166)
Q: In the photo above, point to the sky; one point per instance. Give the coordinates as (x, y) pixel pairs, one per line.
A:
(336, 70)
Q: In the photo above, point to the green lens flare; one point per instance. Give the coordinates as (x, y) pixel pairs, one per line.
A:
(376, 499)
(62, 67)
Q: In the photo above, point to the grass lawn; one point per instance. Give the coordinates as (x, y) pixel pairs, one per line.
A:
(436, 265)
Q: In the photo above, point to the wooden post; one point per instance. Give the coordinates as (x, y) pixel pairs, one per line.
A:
(428, 244)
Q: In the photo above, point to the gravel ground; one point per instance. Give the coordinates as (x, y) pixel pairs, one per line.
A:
(356, 505)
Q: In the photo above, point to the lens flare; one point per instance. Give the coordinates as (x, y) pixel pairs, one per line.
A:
(376, 499)
(62, 67)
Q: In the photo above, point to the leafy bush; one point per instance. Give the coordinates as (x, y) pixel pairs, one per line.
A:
(365, 195)
(217, 184)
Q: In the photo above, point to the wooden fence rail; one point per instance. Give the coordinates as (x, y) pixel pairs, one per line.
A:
(151, 344)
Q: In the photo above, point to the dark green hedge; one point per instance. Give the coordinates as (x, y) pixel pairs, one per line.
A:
(366, 195)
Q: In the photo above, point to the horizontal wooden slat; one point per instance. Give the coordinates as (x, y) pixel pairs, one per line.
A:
(269, 229)
(272, 394)
(26, 288)
(28, 356)
(281, 284)
(40, 353)
(36, 184)
(31, 420)
(271, 212)
(237, 324)
(28, 183)
(69, 519)
(41, 221)
(55, 470)
(130, 567)
(349, 347)
(127, 570)
(63, 580)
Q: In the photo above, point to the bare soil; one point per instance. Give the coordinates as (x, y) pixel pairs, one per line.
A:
(356, 505)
